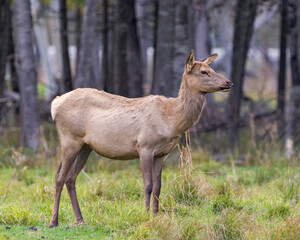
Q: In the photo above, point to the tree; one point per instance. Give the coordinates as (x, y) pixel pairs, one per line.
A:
(4, 38)
(105, 68)
(84, 73)
(200, 29)
(293, 124)
(179, 28)
(164, 48)
(282, 70)
(66, 70)
(133, 53)
(224, 33)
(120, 64)
(244, 17)
(146, 18)
(25, 65)
(11, 53)
(180, 44)
(128, 76)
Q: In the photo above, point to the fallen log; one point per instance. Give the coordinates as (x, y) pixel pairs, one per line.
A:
(214, 125)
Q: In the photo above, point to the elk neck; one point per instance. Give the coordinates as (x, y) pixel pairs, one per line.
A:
(187, 107)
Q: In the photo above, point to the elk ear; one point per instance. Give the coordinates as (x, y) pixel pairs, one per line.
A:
(209, 60)
(190, 61)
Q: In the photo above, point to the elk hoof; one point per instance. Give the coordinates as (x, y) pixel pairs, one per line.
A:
(80, 222)
(53, 224)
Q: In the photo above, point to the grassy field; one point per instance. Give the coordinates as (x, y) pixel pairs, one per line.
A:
(207, 200)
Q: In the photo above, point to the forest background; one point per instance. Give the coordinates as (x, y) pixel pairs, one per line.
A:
(244, 179)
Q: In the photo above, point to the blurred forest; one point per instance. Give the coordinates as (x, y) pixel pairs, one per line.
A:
(139, 47)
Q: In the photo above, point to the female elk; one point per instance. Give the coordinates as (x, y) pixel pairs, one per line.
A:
(121, 128)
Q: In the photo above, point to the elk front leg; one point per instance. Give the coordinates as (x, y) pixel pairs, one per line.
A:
(156, 175)
(71, 180)
(146, 161)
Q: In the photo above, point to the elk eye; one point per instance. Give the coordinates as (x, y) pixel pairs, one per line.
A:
(203, 72)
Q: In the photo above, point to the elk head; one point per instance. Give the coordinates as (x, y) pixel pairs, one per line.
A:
(201, 77)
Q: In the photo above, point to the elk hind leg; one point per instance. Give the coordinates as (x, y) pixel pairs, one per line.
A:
(68, 155)
(71, 180)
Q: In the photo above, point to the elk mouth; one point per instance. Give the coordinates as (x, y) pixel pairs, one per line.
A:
(225, 89)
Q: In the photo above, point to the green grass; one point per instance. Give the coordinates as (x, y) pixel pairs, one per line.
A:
(259, 199)
(209, 201)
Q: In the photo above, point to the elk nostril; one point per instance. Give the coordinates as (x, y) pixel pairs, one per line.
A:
(230, 84)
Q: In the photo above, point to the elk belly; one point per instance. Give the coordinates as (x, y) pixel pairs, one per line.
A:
(113, 147)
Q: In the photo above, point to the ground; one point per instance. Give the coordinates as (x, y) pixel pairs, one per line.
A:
(205, 200)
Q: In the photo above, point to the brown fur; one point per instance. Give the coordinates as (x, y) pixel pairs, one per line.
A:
(121, 128)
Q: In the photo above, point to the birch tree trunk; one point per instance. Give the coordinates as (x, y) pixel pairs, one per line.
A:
(42, 43)
(144, 11)
(25, 64)
(245, 14)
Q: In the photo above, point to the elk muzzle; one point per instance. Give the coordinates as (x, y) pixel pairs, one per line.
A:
(227, 86)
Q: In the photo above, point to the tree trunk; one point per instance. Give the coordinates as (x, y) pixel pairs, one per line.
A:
(146, 17)
(120, 69)
(96, 68)
(4, 37)
(294, 27)
(105, 69)
(78, 34)
(53, 88)
(13, 70)
(224, 34)
(4, 30)
(41, 39)
(163, 58)
(84, 73)
(201, 39)
(181, 45)
(133, 54)
(25, 64)
(111, 47)
(66, 77)
(11, 53)
(200, 35)
(282, 70)
(245, 14)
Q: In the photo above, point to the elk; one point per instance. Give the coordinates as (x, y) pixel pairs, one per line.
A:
(127, 128)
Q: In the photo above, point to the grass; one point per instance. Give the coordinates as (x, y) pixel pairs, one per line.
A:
(205, 200)
(210, 201)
